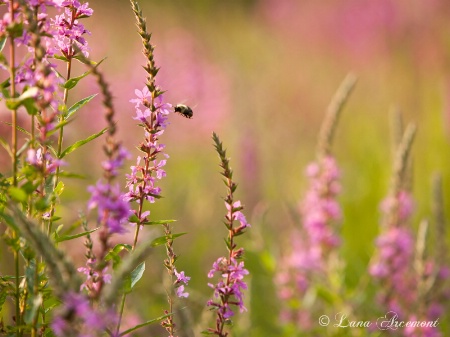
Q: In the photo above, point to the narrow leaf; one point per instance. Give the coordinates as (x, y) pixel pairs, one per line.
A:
(74, 108)
(80, 143)
(32, 312)
(17, 194)
(59, 188)
(18, 128)
(157, 222)
(5, 145)
(2, 298)
(133, 218)
(72, 82)
(57, 127)
(61, 58)
(71, 237)
(126, 332)
(137, 273)
(14, 103)
(162, 240)
(2, 45)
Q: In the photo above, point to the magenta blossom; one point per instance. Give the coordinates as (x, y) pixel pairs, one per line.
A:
(229, 286)
(78, 316)
(113, 209)
(181, 280)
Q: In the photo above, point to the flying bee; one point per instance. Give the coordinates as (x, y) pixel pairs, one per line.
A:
(184, 110)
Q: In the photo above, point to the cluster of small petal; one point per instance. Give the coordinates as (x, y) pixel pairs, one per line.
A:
(141, 182)
(43, 23)
(94, 278)
(36, 71)
(113, 209)
(310, 247)
(320, 209)
(229, 288)
(234, 213)
(43, 162)
(180, 282)
(69, 30)
(395, 253)
(76, 315)
(113, 164)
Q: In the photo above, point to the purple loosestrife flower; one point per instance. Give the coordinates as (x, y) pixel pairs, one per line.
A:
(320, 209)
(94, 278)
(43, 162)
(395, 254)
(311, 247)
(180, 282)
(144, 175)
(230, 286)
(69, 30)
(113, 209)
(228, 290)
(77, 316)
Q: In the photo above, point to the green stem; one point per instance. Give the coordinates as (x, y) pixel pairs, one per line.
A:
(122, 306)
(12, 70)
(59, 149)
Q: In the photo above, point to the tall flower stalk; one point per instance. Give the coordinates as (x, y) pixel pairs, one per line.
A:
(91, 316)
(395, 245)
(228, 291)
(12, 72)
(68, 40)
(152, 114)
(313, 257)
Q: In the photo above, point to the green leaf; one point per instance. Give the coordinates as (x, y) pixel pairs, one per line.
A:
(42, 204)
(61, 58)
(2, 45)
(113, 254)
(74, 108)
(15, 103)
(57, 127)
(30, 107)
(137, 273)
(72, 82)
(126, 332)
(121, 246)
(9, 220)
(71, 175)
(15, 30)
(23, 148)
(59, 188)
(80, 143)
(17, 194)
(133, 218)
(35, 303)
(71, 237)
(157, 222)
(5, 84)
(5, 145)
(29, 187)
(3, 294)
(162, 240)
(18, 128)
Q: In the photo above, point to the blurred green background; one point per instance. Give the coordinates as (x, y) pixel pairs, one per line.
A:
(260, 73)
